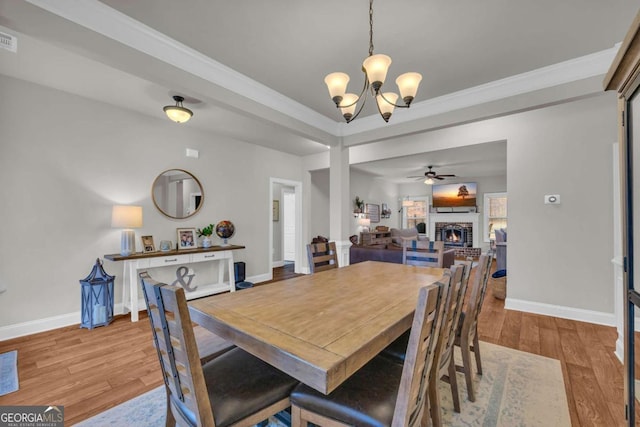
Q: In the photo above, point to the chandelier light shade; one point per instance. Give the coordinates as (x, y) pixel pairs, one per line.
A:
(178, 113)
(375, 68)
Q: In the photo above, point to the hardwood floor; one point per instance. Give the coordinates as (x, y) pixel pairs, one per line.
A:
(91, 371)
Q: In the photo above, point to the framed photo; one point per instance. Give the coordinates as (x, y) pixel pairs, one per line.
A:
(147, 244)
(373, 212)
(187, 238)
(276, 210)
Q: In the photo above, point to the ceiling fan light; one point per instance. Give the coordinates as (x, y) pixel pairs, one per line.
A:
(429, 181)
(337, 85)
(386, 104)
(376, 67)
(408, 85)
(178, 113)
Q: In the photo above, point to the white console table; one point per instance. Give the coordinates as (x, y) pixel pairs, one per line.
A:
(145, 261)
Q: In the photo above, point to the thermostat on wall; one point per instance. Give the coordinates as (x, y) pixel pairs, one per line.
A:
(552, 199)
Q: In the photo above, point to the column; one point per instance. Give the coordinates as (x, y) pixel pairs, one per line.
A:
(339, 201)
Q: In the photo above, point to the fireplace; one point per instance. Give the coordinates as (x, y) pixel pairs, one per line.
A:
(457, 235)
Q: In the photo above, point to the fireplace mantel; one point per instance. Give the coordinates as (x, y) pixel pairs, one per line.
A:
(473, 218)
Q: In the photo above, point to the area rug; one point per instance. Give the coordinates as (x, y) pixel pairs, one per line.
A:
(9, 372)
(516, 389)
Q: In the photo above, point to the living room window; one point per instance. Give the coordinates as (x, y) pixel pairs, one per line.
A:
(495, 214)
(416, 214)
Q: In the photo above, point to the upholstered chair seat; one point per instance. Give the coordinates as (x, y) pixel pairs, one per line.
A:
(239, 385)
(368, 399)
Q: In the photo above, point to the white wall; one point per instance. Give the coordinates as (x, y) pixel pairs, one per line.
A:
(319, 210)
(65, 160)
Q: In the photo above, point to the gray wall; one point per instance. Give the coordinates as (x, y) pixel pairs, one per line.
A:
(65, 160)
(562, 254)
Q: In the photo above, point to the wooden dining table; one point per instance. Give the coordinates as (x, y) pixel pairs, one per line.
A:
(319, 328)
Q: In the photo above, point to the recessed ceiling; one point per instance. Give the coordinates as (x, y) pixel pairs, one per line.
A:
(281, 51)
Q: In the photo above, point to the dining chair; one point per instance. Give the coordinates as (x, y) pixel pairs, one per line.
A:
(233, 389)
(444, 364)
(322, 256)
(382, 393)
(422, 253)
(467, 334)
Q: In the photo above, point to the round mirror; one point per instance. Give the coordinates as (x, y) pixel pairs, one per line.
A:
(177, 194)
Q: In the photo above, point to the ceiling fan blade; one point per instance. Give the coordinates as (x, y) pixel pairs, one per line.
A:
(446, 176)
(416, 176)
(438, 177)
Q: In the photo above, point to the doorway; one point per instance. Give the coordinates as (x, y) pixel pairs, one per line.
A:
(285, 225)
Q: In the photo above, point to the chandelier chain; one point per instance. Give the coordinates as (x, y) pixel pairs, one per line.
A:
(370, 27)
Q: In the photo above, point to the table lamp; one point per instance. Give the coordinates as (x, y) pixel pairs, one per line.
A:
(364, 223)
(127, 218)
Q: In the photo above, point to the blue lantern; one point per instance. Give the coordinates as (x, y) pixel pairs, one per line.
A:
(97, 298)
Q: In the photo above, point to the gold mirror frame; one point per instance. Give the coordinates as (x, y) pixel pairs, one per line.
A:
(179, 201)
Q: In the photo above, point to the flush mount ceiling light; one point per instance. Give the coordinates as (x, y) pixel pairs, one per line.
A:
(177, 112)
(375, 69)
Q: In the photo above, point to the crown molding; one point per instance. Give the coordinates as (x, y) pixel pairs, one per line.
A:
(104, 20)
(99, 17)
(580, 68)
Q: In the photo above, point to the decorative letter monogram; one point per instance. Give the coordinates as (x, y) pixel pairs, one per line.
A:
(181, 273)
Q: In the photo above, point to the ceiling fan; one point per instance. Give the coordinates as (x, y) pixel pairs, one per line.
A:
(430, 175)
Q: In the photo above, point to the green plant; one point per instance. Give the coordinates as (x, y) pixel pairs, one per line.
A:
(205, 231)
(359, 203)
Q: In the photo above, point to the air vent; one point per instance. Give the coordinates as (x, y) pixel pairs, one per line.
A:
(9, 42)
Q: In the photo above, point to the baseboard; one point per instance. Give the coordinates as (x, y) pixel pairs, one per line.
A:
(597, 317)
(47, 324)
(260, 278)
(275, 264)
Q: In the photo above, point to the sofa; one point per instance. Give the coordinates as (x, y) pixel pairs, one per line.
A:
(392, 252)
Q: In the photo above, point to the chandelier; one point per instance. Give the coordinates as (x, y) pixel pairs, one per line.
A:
(375, 69)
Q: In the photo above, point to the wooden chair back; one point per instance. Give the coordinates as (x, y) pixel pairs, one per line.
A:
(454, 308)
(478, 290)
(443, 363)
(322, 256)
(411, 404)
(428, 255)
(177, 352)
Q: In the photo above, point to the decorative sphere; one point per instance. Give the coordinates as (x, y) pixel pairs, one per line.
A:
(225, 229)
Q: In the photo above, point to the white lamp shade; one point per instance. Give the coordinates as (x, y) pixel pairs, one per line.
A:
(365, 222)
(428, 181)
(376, 67)
(126, 216)
(383, 105)
(349, 99)
(337, 84)
(408, 84)
(178, 114)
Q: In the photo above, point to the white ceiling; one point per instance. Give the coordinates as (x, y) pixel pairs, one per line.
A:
(254, 70)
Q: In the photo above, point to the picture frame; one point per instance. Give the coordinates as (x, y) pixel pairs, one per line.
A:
(187, 238)
(147, 244)
(373, 212)
(276, 210)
